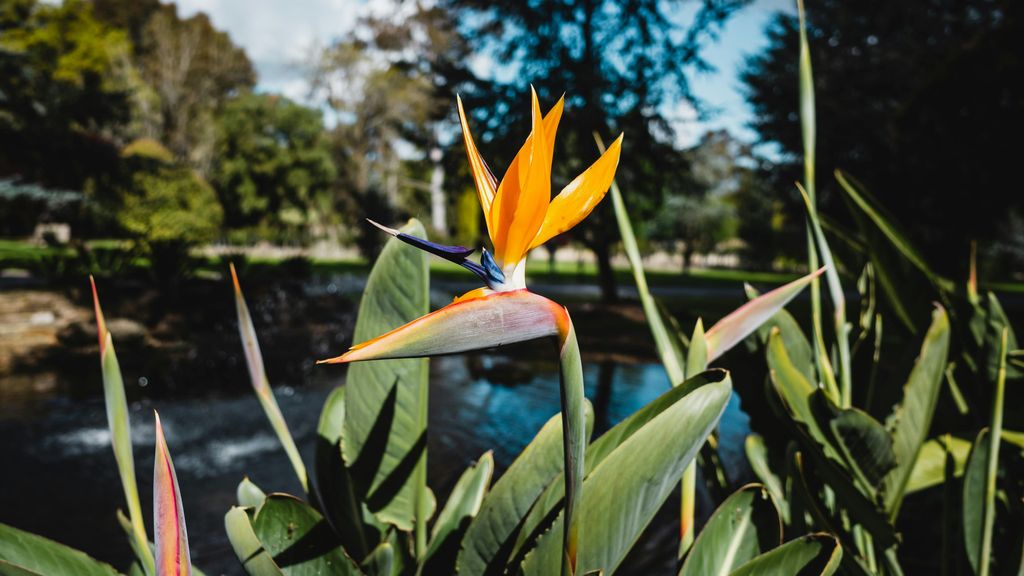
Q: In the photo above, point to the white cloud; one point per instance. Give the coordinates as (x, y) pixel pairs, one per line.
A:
(280, 36)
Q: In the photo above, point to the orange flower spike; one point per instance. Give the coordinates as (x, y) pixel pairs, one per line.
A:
(486, 183)
(523, 195)
(470, 323)
(171, 537)
(579, 198)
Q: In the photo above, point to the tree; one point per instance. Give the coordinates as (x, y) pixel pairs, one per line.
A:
(272, 167)
(388, 84)
(65, 85)
(913, 99)
(166, 207)
(622, 65)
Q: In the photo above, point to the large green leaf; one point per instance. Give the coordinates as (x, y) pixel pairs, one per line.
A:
(810, 555)
(745, 525)
(863, 442)
(930, 467)
(298, 539)
(623, 492)
(666, 340)
(250, 551)
(260, 383)
(385, 430)
(912, 419)
(543, 512)
(23, 553)
(333, 483)
(757, 455)
(463, 505)
(974, 498)
(793, 387)
(796, 343)
(489, 538)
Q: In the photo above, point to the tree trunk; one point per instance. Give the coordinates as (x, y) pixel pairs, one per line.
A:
(605, 274)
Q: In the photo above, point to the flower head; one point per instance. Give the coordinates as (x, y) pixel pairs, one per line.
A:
(520, 215)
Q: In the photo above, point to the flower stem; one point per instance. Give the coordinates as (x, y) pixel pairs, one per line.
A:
(574, 441)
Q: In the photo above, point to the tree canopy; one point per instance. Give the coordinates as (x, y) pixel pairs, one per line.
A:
(914, 98)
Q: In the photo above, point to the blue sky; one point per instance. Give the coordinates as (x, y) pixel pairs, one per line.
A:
(280, 37)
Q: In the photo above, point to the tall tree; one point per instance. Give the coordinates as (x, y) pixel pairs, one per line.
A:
(273, 170)
(623, 65)
(65, 85)
(388, 84)
(914, 98)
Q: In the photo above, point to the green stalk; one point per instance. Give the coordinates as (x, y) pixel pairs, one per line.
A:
(574, 440)
(808, 133)
(422, 502)
(995, 433)
(120, 437)
(696, 362)
(261, 384)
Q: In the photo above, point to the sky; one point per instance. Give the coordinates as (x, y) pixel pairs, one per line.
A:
(280, 37)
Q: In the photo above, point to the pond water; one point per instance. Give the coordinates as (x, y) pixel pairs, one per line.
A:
(59, 477)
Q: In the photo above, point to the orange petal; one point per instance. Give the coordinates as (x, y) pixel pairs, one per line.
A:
(523, 195)
(172, 556)
(579, 198)
(477, 323)
(475, 293)
(486, 183)
(551, 120)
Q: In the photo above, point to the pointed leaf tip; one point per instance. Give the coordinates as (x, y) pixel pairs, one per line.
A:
(171, 537)
(383, 228)
(740, 323)
(101, 325)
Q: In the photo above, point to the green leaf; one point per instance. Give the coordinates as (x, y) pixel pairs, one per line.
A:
(835, 288)
(745, 525)
(488, 540)
(930, 467)
(248, 494)
(334, 487)
(757, 455)
(666, 340)
(796, 343)
(863, 442)
(574, 445)
(792, 386)
(978, 534)
(912, 419)
(250, 551)
(23, 553)
(385, 430)
(813, 554)
(545, 509)
(886, 224)
(697, 355)
(974, 499)
(743, 321)
(623, 492)
(261, 385)
(299, 540)
(463, 505)
(380, 562)
(120, 438)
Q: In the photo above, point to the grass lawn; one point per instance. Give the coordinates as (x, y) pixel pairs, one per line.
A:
(22, 254)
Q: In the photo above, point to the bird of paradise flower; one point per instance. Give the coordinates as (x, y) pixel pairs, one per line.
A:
(520, 216)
